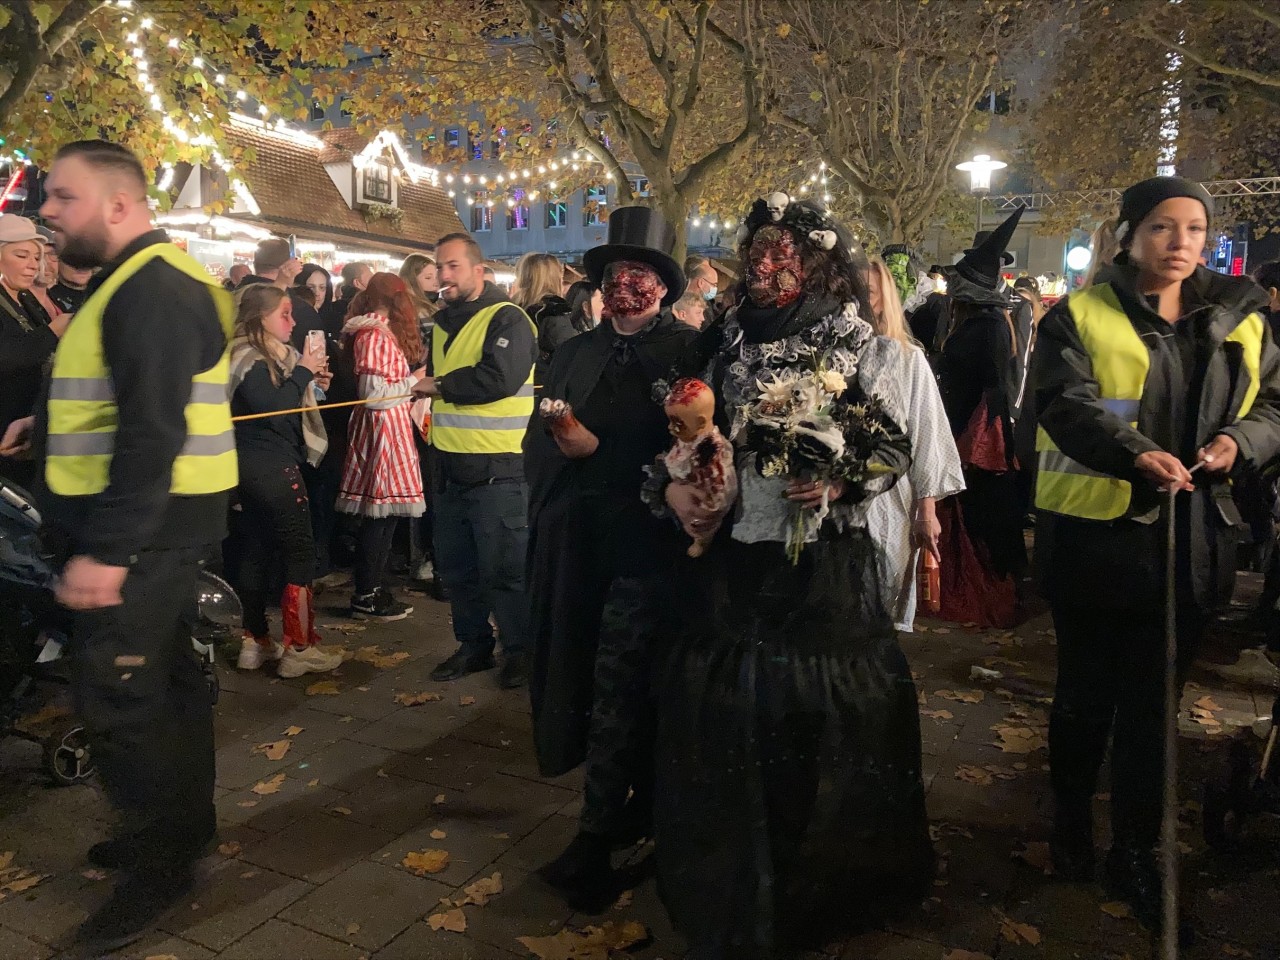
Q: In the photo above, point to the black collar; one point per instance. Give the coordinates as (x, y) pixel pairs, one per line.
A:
(148, 239)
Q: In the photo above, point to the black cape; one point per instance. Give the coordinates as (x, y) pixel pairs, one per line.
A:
(584, 532)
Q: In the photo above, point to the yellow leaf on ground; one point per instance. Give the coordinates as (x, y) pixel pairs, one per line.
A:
(624, 900)
(267, 787)
(383, 661)
(345, 811)
(314, 783)
(353, 929)
(94, 874)
(1118, 909)
(414, 699)
(482, 890)
(466, 701)
(439, 799)
(455, 921)
(247, 803)
(292, 731)
(423, 862)
(1207, 703)
(1016, 932)
(323, 688)
(938, 714)
(229, 849)
(961, 696)
(273, 751)
(1035, 854)
(161, 956)
(974, 775)
(590, 943)
(438, 834)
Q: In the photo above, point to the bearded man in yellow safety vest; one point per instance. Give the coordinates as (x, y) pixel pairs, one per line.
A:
(138, 459)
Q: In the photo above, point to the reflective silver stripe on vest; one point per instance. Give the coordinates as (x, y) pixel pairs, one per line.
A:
(463, 421)
(1125, 409)
(525, 391)
(1055, 461)
(81, 388)
(104, 444)
(208, 393)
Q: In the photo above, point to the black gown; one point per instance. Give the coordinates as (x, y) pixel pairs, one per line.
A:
(789, 796)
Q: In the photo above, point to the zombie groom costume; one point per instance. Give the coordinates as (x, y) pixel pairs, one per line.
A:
(596, 551)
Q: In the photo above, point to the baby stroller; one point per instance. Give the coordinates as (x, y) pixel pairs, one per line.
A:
(33, 631)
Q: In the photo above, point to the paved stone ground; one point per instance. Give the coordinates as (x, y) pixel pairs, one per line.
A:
(313, 871)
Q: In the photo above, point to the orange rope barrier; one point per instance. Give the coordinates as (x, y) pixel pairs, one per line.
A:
(323, 406)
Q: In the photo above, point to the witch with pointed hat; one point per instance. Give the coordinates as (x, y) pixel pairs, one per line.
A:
(983, 554)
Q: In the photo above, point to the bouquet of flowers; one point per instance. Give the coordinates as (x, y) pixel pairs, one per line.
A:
(802, 424)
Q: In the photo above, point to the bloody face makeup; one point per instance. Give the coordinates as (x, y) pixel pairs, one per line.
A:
(776, 273)
(631, 289)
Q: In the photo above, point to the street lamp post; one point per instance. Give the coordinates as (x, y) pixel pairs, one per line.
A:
(980, 169)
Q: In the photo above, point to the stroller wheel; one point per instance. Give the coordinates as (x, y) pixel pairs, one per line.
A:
(67, 756)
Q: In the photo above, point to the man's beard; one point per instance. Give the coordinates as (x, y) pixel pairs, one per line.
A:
(84, 252)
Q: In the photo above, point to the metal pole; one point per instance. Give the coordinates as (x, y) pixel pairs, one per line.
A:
(1169, 820)
(978, 218)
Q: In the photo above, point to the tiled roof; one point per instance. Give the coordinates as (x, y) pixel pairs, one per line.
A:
(341, 143)
(296, 194)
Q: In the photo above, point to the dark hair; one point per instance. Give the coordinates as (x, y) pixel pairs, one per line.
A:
(270, 254)
(104, 155)
(387, 292)
(579, 297)
(474, 253)
(306, 273)
(1268, 275)
(1027, 283)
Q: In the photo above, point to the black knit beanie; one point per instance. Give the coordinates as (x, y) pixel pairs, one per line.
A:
(1138, 201)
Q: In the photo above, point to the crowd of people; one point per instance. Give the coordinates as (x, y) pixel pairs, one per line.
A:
(744, 700)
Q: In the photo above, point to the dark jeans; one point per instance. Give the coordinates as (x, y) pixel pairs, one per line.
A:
(373, 548)
(421, 535)
(623, 721)
(139, 690)
(1111, 681)
(322, 490)
(277, 522)
(481, 536)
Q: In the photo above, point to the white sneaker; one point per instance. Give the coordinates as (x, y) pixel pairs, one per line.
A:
(254, 654)
(1253, 668)
(426, 572)
(296, 662)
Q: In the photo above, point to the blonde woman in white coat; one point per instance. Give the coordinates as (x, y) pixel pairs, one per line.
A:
(903, 520)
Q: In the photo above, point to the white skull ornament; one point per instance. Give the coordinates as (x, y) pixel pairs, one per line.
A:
(777, 204)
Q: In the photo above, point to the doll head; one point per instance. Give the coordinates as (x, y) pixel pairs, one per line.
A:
(690, 408)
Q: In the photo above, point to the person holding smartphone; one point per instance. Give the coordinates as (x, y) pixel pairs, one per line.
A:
(269, 374)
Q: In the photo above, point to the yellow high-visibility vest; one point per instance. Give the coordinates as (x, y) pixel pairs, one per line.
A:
(1120, 362)
(83, 415)
(496, 427)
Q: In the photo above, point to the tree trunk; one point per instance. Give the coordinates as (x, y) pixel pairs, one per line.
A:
(675, 208)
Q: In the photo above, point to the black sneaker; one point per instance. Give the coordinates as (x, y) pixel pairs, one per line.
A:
(1134, 876)
(379, 605)
(133, 849)
(460, 665)
(514, 672)
(137, 902)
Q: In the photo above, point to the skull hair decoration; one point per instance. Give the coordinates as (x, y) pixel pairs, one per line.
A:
(631, 288)
(775, 275)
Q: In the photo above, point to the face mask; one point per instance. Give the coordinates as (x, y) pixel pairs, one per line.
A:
(710, 294)
(776, 273)
(631, 289)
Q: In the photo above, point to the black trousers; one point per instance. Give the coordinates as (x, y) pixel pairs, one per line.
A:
(277, 519)
(373, 548)
(1111, 683)
(139, 690)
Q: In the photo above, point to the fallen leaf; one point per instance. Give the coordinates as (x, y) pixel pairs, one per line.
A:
(1036, 855)
(1118, 909)
(423, 862)
(249, 874)
(455, 921)
(94, 874)
(961, 696)
(15, 879)
(229, 849)
(314, 783)
(482, 890)
(363, 689)
(323, 688)
(345, 811)
(414, 699)
(383, 774)
(943, 631)
(353, 929)
(45, 715)
(938, 714)
(1016, 932)
(466, 701)
(624, 900)
(590, 943)
(346, 719)
(502, 836)
(439, 799)
(975, 775)
(161, 956)
(292, 731)
(1230, 950)
(383, 661)
(1019, 739)
(267, 787)
(273, 751)
(247, 803)
(438, 834)
(1207, 703)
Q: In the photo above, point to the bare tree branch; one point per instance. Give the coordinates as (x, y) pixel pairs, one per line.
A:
(36, 50)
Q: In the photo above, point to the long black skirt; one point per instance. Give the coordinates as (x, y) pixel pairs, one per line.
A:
(790, 804)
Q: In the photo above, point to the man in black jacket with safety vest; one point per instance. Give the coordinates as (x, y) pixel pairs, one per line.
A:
(483, 350)
(138, 459)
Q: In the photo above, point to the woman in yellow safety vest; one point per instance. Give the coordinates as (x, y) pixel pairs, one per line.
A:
(1160, 366)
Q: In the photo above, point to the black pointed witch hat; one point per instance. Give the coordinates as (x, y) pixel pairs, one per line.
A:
(976, 278)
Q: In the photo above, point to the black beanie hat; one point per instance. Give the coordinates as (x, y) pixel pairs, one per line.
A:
(1138, 201)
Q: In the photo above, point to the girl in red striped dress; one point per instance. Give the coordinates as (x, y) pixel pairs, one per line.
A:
(381, 479)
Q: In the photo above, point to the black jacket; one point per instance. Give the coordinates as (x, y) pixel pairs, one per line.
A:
(159, 330)
(551, 316)
(26, 344)
(276, 438)
(1120, 563)
(507, 357)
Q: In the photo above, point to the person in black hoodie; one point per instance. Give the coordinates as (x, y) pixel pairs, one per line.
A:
(480, 372)
(1161, 365)
(539, 279)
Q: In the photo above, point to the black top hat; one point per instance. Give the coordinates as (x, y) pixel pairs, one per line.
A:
(640, 234)
(981, 237)
(976, 278)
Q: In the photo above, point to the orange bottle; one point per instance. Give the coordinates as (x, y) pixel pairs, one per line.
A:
(929, 584)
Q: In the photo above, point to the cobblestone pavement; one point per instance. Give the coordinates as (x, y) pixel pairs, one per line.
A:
(311, 865)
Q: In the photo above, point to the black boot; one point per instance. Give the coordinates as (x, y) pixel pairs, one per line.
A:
(460, 665)
(136, 904)
(583, 873)
(1071, 844)
(1133, 875)
(515, 671)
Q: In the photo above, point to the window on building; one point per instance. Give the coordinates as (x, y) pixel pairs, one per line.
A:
(376, 185)
(453, 138)
(557, 214)
(640, 186)
(481, 211)
(497, 142)
(595, 203)
(475, 145)
(344, 108)
(518, 212)
(317, 110)
(997, 100)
